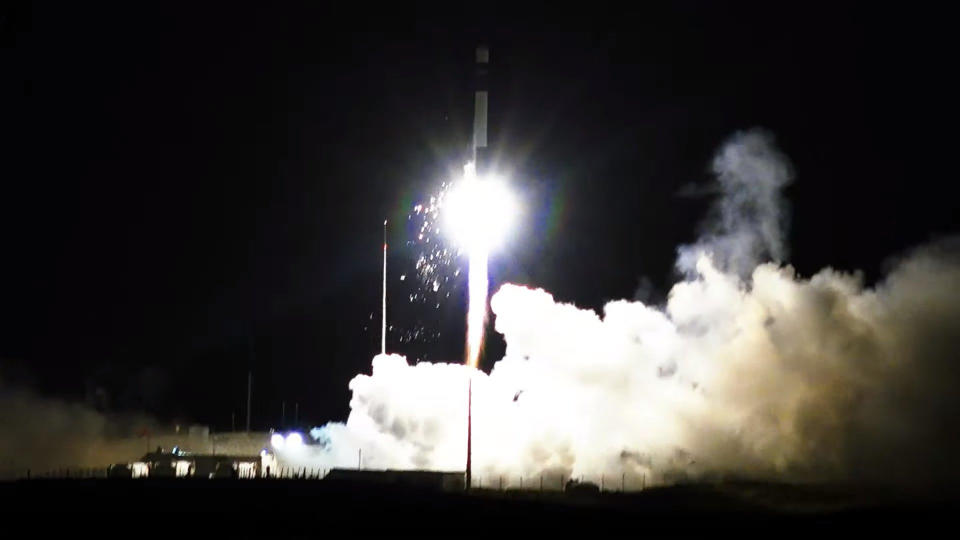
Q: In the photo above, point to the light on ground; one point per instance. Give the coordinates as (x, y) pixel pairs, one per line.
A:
(294, 440)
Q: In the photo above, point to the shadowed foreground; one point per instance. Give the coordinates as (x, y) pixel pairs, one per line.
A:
(271, 508)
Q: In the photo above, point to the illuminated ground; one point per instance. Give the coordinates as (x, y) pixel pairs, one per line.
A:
(314, 509)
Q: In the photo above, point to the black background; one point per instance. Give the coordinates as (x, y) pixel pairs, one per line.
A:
(189, 193)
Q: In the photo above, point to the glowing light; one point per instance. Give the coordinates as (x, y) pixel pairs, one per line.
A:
(183, 468)
(139, 470)
(477, 305)
(247, 470)
(294, 440)
(478, 213)
(277, 441)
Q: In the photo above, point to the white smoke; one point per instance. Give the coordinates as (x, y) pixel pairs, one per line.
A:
(749, 222)
(757, 373)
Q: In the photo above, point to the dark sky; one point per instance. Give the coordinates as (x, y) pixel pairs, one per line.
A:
(189, 193)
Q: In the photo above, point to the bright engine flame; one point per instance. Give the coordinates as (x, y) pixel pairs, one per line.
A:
(478, 213)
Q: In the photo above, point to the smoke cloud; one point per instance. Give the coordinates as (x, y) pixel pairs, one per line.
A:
(749, 222)
(747, 371)
(43, 434)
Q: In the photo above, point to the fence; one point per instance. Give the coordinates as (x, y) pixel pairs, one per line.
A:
(56, 473)
(553, 482)
(63, 473)
(531, 483)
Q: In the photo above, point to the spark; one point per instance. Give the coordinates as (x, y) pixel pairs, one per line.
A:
(476, 213)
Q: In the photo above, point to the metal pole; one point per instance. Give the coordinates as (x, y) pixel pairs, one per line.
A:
(383, 316)
(623, 476)
(249, 388)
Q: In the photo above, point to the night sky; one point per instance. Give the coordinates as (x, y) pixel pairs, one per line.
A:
(188, 194)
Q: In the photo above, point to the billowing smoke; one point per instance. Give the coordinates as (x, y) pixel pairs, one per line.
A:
(748, 370)
(749, 222)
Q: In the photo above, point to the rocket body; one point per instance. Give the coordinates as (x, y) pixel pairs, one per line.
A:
(480, 107)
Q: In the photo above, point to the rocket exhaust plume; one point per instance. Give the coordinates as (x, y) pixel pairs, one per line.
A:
(479, 213)
(747, 371)
(478, 283)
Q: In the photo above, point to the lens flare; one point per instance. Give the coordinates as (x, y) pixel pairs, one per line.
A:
(478, 214)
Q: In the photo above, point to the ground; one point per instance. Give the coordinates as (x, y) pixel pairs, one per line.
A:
(310, 508)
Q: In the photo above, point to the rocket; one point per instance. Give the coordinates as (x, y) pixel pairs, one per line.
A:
(481, 162)
(481, 154)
